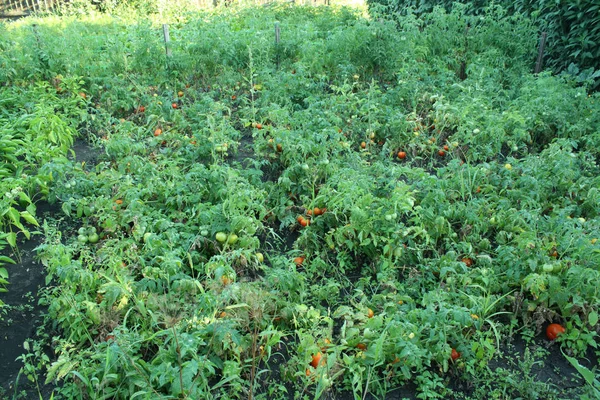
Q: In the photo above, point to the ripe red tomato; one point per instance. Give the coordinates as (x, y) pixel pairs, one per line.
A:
(363, 145)
(304, 222)
(446, 147)
(553, 330)
(317, 211)
(455, 355)
(402, 155)
(258, 126)
(141, 109)
(468, 261)
(361, 346)
(441, 153)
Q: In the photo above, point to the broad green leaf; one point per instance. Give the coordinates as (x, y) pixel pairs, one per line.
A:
(11, 238)
(29, 218)
(593, 318)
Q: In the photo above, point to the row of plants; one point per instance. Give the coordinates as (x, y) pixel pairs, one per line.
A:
(38, 123)
(333, 212)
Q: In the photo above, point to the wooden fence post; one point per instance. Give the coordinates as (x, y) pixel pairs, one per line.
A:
(540, 57)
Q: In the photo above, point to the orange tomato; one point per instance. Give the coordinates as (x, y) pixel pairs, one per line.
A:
(316, 359)
(174, 105)
(370, 313)
(157, 132)
(363, 145)
(361, 346)
(299, 260)
(225, 280)
(304, 222)
(402, 155)
(119, 201)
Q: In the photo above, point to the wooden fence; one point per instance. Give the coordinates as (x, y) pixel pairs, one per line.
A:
(16, 8)
(21, 7)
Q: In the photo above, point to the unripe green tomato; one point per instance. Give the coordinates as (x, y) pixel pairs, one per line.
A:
(221, 237)
(147, 236)
(204, 232)
(548, 267)
(232, 238)
(93, 238)
(259, 257)
(82, 239)
(388, 217)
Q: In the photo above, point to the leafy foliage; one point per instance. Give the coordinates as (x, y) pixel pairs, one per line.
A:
(572, 27)
(250, 207)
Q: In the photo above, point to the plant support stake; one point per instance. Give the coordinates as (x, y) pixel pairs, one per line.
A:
(167, 40)
(277, 40)
(540, 57)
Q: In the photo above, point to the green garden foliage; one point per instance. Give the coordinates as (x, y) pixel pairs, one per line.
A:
(387, 194)
(573, 27)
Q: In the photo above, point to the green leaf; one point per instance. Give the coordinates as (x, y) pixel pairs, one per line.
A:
(3, 273)
(6, 260)
(11, 238)
(593, 318)
(66, 208)
(588, 375)
(29, 218)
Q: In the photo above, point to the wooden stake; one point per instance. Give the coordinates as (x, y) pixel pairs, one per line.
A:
(167, 40)
(540, 57)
